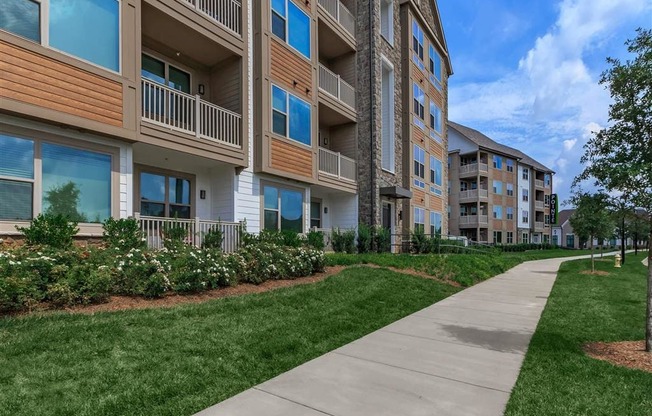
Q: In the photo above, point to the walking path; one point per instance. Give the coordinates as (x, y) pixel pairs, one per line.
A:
(460, 356)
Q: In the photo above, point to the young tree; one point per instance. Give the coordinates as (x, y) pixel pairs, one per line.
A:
(591, 219)
(638, 228)
(619, 157)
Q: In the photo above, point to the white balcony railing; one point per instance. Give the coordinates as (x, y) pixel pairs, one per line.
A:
(538, 225)
(538, 204)
(334, 85)
(155, 228)
(190, 114)
(333, 163)
(468, 169)
(340, 13)
(227, 13)
(538, 183)
(470, 194)
(474, 219)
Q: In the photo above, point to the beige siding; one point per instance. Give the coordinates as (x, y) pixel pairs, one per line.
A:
(290, 158)
(226, 89)
(287, 68)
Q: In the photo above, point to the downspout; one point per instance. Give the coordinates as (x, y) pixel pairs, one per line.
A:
(372, 98)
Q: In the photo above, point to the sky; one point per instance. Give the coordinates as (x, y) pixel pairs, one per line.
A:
(525, 73)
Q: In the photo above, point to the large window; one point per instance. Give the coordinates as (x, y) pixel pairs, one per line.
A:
(387, 117)
(315, 214)
(525, 217)
(436, 171)
(417, 39)
(74, 182)
(419, 100)
(435, 118)
(435, 223)
(419, 219)
(547, 179)
(164, 73)
(292, 25)
(419, 165)
(498, 237)
(510, 189)
(526, 195)
(510, 165)
(498, 212)
(435, 66)
(387, 20)
(87, 29)
(510, 237)
(498, 162)
(498, 188)
(510, 213)
(163, 195)
(283, 209)
(291, 116)
(526, 174)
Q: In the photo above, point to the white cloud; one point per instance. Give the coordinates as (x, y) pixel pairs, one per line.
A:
(549, 105)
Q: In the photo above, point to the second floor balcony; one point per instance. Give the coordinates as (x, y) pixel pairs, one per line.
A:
(226, 13)
(333, 84)
(473, 169)
(473, 221)
(473, 194)
(190, 114)
(340, 13)
(337, 165)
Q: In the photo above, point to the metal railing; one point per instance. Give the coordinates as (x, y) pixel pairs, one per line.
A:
(538, 183)
(227, 13)
(334, 163)
(474, 219)
(334, 85)
(340, 13)
(190, 114)
(538, 204)
(474, 194)
(155, 228)
(538, 225)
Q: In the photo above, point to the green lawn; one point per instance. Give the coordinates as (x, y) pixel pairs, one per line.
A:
(180, 360)
(557, 378)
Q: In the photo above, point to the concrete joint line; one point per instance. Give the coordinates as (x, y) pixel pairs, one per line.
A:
(291, 401)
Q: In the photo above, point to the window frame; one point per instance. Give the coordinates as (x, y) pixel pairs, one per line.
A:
(509, 213)
(497, 212)
(167, 173)
(498, 162)
(433, 221)
(387, 5)
(496, 185)
(167, 64)
(496, 234)
(287, 115)
(419, 165)
(509, 165)
(525, 195)
(526, 174)
(44, 31)
(418, 107)
(433, 172)
(509, 189)
(436, 122)
(417, 32)
(281, 187)
(286, 20)
(525, 217)
(510, 237)
(419, 225)
(320, 219)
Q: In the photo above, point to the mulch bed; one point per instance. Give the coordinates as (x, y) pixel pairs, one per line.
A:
(630, 354)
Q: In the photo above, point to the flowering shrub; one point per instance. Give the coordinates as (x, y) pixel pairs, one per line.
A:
(31, 275)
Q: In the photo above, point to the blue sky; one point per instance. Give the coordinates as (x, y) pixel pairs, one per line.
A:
(526, 72)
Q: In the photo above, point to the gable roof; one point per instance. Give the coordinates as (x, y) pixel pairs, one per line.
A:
(436, 28)
(486, 143)
(564, 215)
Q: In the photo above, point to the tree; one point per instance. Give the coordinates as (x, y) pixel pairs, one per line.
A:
(591, 219)
(63, 200)
(619, 157)
(638, 228)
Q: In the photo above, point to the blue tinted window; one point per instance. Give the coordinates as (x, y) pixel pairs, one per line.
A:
(271, 198)
(88, 29)
(300, 126)
(21, 17)
(16, 157)
(436, 174)
(15, 200)
(279, 99)
(291, 210)
(298, 29)
(76, 183)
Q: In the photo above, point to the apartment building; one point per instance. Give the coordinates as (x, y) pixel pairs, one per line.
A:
(285, 114)
(497, 194)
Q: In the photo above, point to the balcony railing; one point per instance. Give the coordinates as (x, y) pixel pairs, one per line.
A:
(155, 228)
(190, 114)
(474, 220)
(227, 13)
(334, 85)
(538, 204)
(538, 183)
(474, 194)
(538, 225)
(473, 168)
(333, 163)
(340, 13)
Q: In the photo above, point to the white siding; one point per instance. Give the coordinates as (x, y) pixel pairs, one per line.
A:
(222, 193)
(524, 206)
(458, 142)
(387, 115)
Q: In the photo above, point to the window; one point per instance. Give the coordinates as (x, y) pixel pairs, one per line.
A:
(510, 165)
(570, 240)
(435, 66)
(419, 100)
(498, 237)
(387, 118)
(498, 162)
(315, 214)
(419, 162)
(417, 39)
(510, 213)
(526, 174)
(387, 20)
(292, 25)
(547, 219)
(464, 186)
(291, 116)
(510, 237)
(163, 195)
(74, 182)
(419, 219)
(525, 217)
(164, 73)
(525, 237)
(510, 189)
(87, 29)
(283, 209)
(547, 179)
(526, 197)
(498, 212)
(435, 118)
(436, 167)
(498, 187)
(435, 223)
(546, 239)
(546, 200)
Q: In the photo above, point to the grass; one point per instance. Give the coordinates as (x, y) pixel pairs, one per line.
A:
(557, 377)
(183, 359)
(466, 269)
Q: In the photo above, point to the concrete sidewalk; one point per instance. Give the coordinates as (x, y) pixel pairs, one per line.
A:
(460, 356)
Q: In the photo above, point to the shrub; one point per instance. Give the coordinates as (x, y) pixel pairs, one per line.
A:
(54, 231)
(174, 235)
(343, 241)
(18, 292)
(315, 239)
(123, 234)
(291, 239)
(420, 244)
(382, 240)
(364, 238)
(89, 284)
(213, 238)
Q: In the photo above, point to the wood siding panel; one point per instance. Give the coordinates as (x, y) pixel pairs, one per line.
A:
(436, 150)
(436, 204)
(419, 136)
(287, 68)
(290, 158)
(33, 79)
(419, 196)
(226, 88)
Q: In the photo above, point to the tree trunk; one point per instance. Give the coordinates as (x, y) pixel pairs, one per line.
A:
(648, 326)
(635, 243)
(592, 260)
(622, 241)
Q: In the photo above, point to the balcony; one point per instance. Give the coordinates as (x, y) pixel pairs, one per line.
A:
(190, 114)
(538, 226)
(473, 169)
(473, 194)
(227, 13)
(538, 183)
(340, 14)
(473, 220)
(538, 204)
(334, 85)
(337, 165)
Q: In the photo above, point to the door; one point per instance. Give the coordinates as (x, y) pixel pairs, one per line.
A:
(388, 220)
